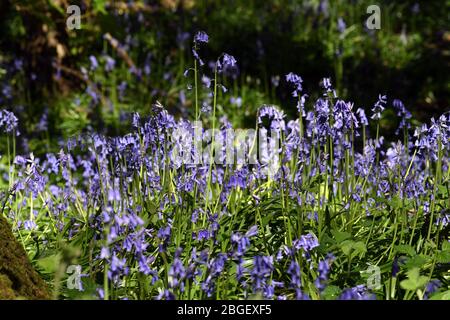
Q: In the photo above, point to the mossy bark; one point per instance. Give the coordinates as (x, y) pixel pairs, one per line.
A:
(18, 279)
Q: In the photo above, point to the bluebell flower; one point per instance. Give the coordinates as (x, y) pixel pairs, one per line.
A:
(261, 272)
(275, 80)
(306, 242)
(94, 62)
(323, 270)
(206, 81)
(117, 268)
(341, 25)
(242, 242)
(177, 274)
(42, 125)
(379, 107)
(201, 37)
(110, 63)
(431, 288)
(323, 7)
(226, 63)
(276, 117)
(105, 253)
(296, 81)
(215, 268)
(121, 90)
(362, 117)
(8, 121)
(395, 154)
(165, 295)
(182, 37)
(294, 273)
(29, 225)
(443, 218)
(326, 84)
(18, 64)
(359, 292)
(404, 115)
(237, 101)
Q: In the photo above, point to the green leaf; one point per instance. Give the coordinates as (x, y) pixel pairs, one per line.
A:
(347, 247)
(416, 261)
(99, 6)
(415, 280)
(49, 264)
(341, 236)
(407, 249)
(351, 248)
(443, 257)
(55, 5)
(396, 202)
(443, 190)
(441, 296)
(331, 293)
(359, 247)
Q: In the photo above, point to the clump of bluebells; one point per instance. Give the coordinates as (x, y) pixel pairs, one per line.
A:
(304, 226)
(8, 121)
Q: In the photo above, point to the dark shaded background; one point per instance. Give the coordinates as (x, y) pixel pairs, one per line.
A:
(407, 59)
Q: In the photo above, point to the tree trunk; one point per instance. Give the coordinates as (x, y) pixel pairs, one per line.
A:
(18, 279)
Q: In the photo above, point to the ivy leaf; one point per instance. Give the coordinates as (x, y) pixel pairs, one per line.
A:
(415, 280)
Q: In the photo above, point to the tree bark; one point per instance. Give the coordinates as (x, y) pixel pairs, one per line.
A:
(18, 279)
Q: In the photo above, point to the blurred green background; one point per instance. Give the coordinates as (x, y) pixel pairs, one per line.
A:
(129, 54)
